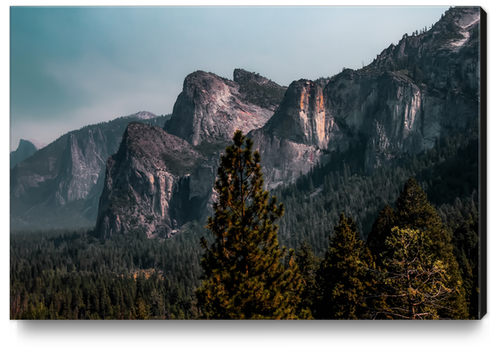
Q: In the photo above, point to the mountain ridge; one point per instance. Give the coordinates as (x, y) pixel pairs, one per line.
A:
(60, 185)
(399, 104)
(25, 149)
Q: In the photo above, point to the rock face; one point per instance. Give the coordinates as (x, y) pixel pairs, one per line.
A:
(159, 180)
(424, 88)
(210, 108)
(25, 150)
(153, 183)
(60, 185)
(282, 160)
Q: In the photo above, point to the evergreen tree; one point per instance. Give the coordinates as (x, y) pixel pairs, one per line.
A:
(381, 230)
(343, 277)
(244, 274)
(414, 282)
(308, 264)
(413, 211)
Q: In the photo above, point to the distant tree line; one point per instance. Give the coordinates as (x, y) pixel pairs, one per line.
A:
(73, 275)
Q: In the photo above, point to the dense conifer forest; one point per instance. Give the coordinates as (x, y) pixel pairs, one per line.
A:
(65, 274)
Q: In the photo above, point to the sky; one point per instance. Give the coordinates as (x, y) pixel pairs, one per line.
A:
(74, 66)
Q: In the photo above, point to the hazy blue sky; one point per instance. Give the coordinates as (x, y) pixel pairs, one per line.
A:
(70, 67)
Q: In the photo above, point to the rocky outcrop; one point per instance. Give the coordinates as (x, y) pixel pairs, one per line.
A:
(155, 182)
(424, 88)
(302, 116)
(210, 108)
(284, 161)
(60, 185)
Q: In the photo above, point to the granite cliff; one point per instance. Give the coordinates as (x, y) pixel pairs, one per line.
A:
(210, 108)
(149, 184)
(424, 88)
(161, 179)
(59, 185)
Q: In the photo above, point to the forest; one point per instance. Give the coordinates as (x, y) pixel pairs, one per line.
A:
(338, 220)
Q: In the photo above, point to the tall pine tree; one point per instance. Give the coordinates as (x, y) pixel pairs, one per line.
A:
(413, 211)
(308, 264)
(343, 278)
(413, 282)
(381, 230)
(246, 274)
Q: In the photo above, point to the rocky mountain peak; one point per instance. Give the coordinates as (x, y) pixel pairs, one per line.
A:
(147, 183)
(459, 18)
(59, 186)
(155, 149)
(259, 90)
(458, 28)
(424, 88)
(301, 116)
(210, 108)
(23, 144)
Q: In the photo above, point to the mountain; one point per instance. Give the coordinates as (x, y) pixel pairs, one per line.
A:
(210, 108)
(152, 175)
(25, 149)
(59, 185)
(424, 88)
(170, 173)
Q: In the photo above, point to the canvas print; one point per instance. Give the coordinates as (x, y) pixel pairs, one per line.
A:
(238, 163)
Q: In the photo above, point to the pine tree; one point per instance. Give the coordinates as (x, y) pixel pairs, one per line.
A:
(414, 281)
(413, 211)
(343, 277)
(246, 274)
(381, 230)
(308, 264)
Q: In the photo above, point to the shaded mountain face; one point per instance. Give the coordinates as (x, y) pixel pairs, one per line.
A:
(25, 150)
(424, 88)
(60, 185)
(156, 182)
(210, 108)
(258, 90)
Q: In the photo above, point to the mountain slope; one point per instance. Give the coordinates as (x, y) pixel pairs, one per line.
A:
(60, 185)
(25, 149)
(424, 88)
